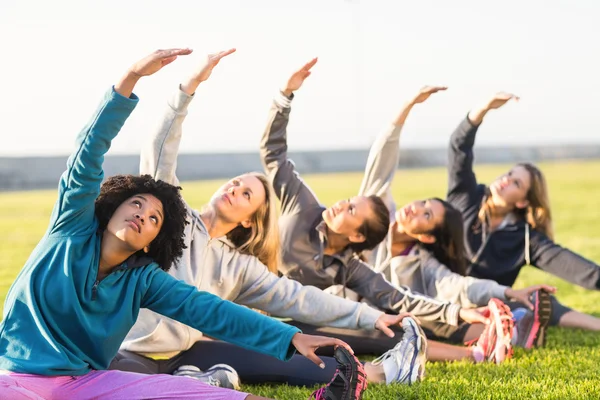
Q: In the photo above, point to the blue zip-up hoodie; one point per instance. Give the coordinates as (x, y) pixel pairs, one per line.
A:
(58, 320)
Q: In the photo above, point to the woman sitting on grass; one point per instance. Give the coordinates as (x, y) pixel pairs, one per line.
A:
(104, 257)
(508, 224)
(319, 245)
(232, 250)
(425, 250)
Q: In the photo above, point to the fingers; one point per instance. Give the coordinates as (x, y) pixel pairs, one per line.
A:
(168, 60)
(525, 300)
(387, 331)
(227, 52)
(549, 289)
(507, 96)
(309, 64)
(314, 358)
(168, 53)
(338, 342)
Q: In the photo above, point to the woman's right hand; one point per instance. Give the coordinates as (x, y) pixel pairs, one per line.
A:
(204, 72)
(498, 100)
(147, 66)
(297, 79)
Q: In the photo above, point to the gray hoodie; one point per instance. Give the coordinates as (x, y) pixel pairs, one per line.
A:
(215, 266)
(303, 237)
(419, 270)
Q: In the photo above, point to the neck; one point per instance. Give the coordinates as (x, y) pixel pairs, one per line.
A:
(216, 226)
(336, 243)
(113, 253)
(400, 242)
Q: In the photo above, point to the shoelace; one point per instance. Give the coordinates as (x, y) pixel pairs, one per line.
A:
(388, 354)
(318, 393)
(321, 391)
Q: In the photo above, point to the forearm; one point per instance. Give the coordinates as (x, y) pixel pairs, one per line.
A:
(476, 115)
(127, 83)
(159, 155)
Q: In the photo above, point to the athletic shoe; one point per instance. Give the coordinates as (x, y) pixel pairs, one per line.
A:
(405, 363)
(494, 343)
(220, 375)
(531, 328)
(349, 381)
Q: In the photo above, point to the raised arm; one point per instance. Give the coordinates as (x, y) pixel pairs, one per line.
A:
(159, 155)
(227, 321)
(291, 190)
(564, 263)
(385, 152)
(462, 183)
(80, 184)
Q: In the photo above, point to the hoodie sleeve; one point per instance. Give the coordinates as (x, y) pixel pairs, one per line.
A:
(283, 297)
(159, 155)
(466, 291)
(79, 186)
(462, 183)
(292, 191)
(381, 166)
(382, 294)
(556, 260)
(215, 317)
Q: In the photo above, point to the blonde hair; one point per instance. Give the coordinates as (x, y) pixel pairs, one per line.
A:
(261, 239)
(537, 213)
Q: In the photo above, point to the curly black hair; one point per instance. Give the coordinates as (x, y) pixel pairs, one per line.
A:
(168, 245)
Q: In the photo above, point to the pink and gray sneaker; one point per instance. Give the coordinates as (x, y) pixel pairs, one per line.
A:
(349, 381)
(531, 328)
(494, 344)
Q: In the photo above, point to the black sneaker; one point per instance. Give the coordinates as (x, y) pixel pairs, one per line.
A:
(349, 381)
(531, 328)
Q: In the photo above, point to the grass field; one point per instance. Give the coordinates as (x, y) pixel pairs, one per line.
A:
(568, 368)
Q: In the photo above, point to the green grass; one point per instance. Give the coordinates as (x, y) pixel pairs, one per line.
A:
(567, 368)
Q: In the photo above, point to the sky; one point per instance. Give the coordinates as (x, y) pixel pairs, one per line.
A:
(60, 56)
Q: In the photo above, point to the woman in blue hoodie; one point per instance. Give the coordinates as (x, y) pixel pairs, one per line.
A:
(103, 258)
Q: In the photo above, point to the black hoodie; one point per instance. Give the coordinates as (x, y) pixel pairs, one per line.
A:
(499, 255)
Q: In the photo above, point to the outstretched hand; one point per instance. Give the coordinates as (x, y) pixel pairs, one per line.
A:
(427, 91)
(155, 61)
(308, 344)
(297, 79)
(211, 61)
(523, 295)
(386, 320)
(501, 99)
(147, 66)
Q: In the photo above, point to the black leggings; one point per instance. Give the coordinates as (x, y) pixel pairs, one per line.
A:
(363, 342)
(252, 367)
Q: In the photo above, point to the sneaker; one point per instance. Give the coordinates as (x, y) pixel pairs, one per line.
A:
(405, 363)
(349, 381)
(531, 328)
(494, 343)
(220, 375)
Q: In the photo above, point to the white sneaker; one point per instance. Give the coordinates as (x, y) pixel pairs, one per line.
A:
(405, 363)
(220, 375)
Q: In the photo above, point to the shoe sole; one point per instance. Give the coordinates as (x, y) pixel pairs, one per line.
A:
(542, 310)
(356, 369)
(417, 374)
(500, 355)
